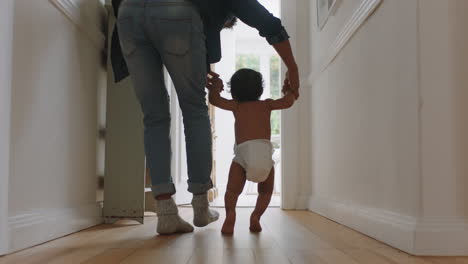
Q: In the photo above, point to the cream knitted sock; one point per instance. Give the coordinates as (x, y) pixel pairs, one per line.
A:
(202, 214)
(169, 221)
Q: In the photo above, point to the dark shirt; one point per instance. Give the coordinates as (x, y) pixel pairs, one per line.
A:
(215, 13)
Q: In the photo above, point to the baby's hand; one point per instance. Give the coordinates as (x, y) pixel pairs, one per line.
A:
(286, 87)
(214, 83)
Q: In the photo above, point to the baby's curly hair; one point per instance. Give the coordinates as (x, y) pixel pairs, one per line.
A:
(246, 85)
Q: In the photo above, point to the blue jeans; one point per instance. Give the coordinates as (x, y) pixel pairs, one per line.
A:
(154, 33)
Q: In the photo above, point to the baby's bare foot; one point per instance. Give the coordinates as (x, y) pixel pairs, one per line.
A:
(228, 226)
(255, 223)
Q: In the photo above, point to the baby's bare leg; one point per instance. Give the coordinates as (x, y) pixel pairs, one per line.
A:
(234, 188)
(265, 190)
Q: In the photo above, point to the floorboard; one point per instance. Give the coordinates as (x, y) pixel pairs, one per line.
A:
(288, 237)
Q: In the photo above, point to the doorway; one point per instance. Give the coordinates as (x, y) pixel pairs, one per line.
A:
(244, 48)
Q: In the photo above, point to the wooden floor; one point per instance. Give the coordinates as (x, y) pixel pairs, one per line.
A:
(288, 237)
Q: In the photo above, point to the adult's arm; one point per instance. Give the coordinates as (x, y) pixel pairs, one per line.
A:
(116, 5)
(257, 16)
(292, 75)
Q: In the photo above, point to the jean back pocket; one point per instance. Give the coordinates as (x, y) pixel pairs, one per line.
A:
(175, 35)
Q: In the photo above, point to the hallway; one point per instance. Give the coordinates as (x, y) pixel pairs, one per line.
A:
(377, 142)
(288, 237)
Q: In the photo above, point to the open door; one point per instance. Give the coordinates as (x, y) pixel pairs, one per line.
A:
(124, 180)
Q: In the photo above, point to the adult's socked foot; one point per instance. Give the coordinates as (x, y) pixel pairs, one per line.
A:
(202, 214)
(169, 221)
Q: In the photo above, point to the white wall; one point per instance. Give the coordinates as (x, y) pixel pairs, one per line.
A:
(387, 124)
(444, 125)
(444, 70)
(6, 36)
(362, 140)
(55, 77)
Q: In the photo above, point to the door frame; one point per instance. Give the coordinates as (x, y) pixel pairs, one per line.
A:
(291, 143)
(6, 41)
(4, 168)
(290, 123)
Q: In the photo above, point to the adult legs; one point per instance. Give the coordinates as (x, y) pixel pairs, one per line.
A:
(146, 68)
(180, 39)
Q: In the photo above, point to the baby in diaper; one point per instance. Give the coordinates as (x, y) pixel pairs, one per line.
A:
(253, 149)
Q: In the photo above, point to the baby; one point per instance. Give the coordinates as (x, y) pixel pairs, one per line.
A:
(253, 149)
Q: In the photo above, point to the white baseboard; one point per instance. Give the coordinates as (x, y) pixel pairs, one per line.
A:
(35, 227)
(421, 237)
(441, 237)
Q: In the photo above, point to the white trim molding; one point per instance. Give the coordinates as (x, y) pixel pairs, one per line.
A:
(290, 123)
(73, 11)
(360, 16)
(6, 45)
(416, 236)
(32, 228)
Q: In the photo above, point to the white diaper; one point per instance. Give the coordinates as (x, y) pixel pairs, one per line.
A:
(255, 156)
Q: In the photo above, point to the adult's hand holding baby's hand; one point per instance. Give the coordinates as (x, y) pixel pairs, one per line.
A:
(292, 78)
(214, 83)
(287, 87)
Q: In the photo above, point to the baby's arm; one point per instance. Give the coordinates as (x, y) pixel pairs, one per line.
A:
(283, 103)
(215, 86)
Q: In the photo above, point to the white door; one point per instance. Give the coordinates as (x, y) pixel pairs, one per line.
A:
(124, 181)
